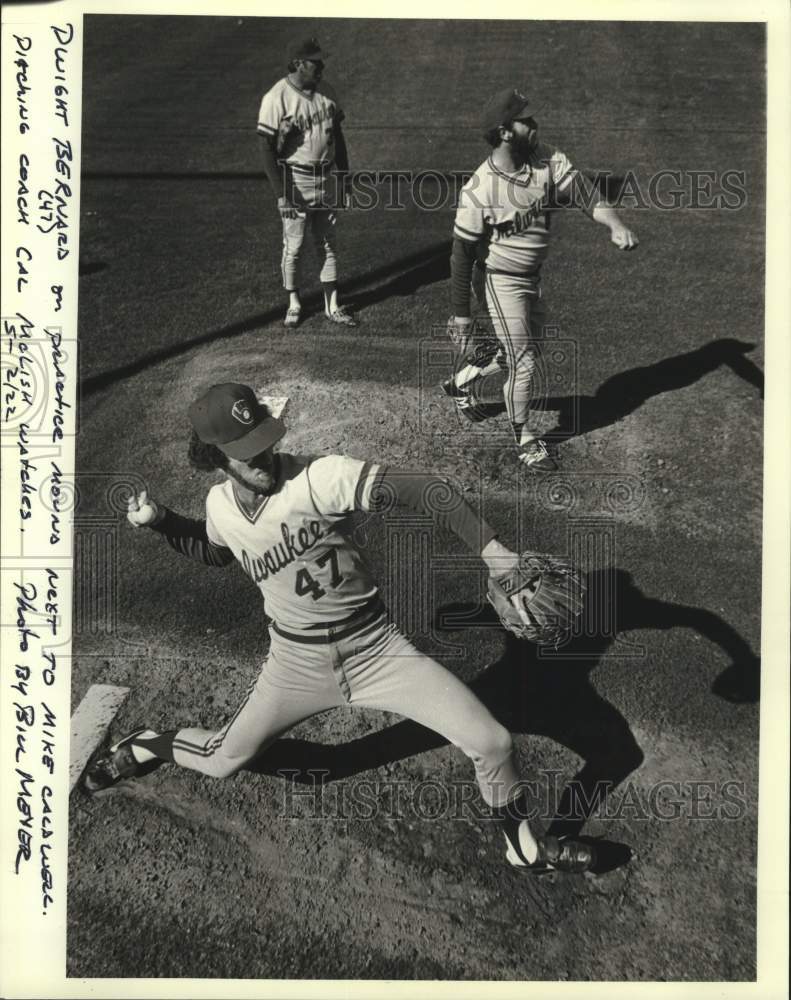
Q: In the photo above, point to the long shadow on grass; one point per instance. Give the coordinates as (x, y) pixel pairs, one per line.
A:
(426, 262)
(625, 392)
(551, 697)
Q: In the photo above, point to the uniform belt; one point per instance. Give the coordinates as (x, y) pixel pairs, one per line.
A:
(333, 631)
(310, 168)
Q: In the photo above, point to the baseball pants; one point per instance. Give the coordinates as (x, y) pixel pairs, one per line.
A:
(518, 317)
(376, 667)
(320, 223)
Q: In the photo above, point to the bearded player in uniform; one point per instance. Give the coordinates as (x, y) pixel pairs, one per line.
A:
(332, 644)
(501, 238)
(306, 163)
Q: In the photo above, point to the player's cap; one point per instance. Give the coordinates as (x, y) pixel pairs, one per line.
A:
(504, 107)
(309, 48)
(230, 417)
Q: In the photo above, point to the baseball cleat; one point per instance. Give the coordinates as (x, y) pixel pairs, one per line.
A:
(470, 408)
(536, 457)
(341, 317)
(116, 764)
(292, 316)
(555, 855)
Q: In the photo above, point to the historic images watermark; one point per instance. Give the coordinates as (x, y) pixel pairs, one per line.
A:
(309, 795)
(668, 189)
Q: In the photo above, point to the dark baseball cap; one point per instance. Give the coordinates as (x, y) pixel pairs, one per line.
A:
(229, 416)
(308, 49)
(504, 107)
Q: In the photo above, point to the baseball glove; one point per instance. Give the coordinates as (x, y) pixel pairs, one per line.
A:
(475, 343)
(540, 599)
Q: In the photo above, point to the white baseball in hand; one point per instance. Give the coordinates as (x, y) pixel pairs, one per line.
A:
(624, 238)
(141, 511)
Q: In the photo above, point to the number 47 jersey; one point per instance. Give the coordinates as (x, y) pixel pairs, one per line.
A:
(310, 574)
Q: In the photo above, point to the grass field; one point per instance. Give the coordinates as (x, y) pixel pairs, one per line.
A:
(180, 247)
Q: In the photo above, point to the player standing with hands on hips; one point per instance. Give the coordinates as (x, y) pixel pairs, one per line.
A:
(332, 644)
(306, 163)
(501, 227)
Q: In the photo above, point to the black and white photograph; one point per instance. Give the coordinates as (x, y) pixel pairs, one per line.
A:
(420, 625)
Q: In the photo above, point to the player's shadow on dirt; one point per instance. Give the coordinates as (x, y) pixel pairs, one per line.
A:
(550, 695)
(625, 392)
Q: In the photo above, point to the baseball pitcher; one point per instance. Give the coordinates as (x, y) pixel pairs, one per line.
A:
(501, 235)
(332, 643)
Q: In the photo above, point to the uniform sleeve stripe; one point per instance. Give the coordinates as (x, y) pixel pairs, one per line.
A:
(466, 234)
(369, 474)
(463, 230)
(266, 129)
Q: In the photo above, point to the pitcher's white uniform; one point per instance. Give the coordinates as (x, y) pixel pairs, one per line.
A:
(307, 572)
(509, 212)
(332, 644)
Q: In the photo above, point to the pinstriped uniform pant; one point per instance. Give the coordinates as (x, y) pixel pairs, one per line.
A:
(315, 194)
(320, 223)
(376, 667)
(518, 317)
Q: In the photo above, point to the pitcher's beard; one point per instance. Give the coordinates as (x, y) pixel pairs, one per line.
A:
(523, 148)
(262, 484)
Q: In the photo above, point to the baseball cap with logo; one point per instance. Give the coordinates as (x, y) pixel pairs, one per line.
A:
(504, 107)
(308, 49)
(230, 417)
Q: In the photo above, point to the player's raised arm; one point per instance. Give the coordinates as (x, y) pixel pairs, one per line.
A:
(620, 235)
(435, 496)
(582, 195)
(142, 511)
(185, 534)
(536, 596)
(340, 484)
